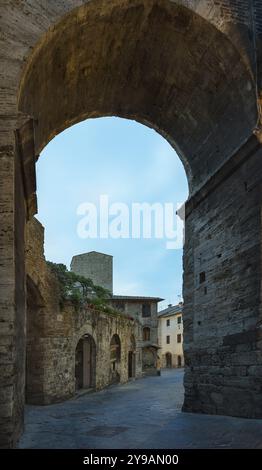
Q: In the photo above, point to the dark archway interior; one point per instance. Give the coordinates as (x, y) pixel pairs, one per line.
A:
(115, 358)
(115, 349)
(85, 363)
(168, 359)
(132, 358)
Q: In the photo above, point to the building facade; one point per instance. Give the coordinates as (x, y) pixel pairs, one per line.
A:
(144, 309)
(170, 336)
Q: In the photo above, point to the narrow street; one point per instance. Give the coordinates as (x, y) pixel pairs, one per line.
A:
(145, 413)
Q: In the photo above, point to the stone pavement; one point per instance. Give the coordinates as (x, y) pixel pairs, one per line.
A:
(145, 413)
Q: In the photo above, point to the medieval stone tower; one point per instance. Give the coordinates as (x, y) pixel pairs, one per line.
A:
(96, 266)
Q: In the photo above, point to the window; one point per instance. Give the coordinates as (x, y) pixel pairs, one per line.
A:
(146, 310)
(179, 338)
(168, 340)
(168, 323)
(202, 277)
(120, 306)
(146, 334)
(115, 349)
(179, 320)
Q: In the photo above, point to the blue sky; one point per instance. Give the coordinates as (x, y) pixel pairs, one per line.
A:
(130, 163)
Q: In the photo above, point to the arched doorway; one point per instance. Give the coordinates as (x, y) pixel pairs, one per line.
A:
(115, 359)
(85, 363)
(179, 361)
(168, 360)
(132, 358)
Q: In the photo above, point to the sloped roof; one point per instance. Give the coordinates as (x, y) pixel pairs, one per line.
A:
(135, 297)
(91, 253)
(173, 310)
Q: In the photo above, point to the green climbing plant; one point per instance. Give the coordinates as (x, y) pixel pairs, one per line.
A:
(82, 291)
(78, 289)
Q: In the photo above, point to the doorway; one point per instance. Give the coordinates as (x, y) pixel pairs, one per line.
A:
(85, 363)
(132, 358)
(168, 360)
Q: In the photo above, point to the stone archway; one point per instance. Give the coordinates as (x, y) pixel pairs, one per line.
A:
(85, 363)
(181, 85)
(195, 77)
(159, 82)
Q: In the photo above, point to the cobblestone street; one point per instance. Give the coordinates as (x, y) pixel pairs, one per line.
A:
(145, 413)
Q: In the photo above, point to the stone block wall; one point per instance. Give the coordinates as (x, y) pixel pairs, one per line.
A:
(222, 293)
(11, 421)
(12, 288)
(53, 332)
(53, 355)
(54, 361)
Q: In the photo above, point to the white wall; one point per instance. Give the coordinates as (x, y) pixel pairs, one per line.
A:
(175, 348)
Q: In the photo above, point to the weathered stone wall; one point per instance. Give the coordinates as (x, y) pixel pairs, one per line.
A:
(134, 308)
(12, 295)
(222, 293)
(53, 333)
(56, 346)
(42, 310)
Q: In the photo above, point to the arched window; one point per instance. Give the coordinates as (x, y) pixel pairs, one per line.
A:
(146, 333)
(132, 346)
(115, 349)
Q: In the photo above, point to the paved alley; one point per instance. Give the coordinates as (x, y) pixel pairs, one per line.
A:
(145, 413)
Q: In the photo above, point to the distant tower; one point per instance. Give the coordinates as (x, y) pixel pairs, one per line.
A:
(96, 266)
